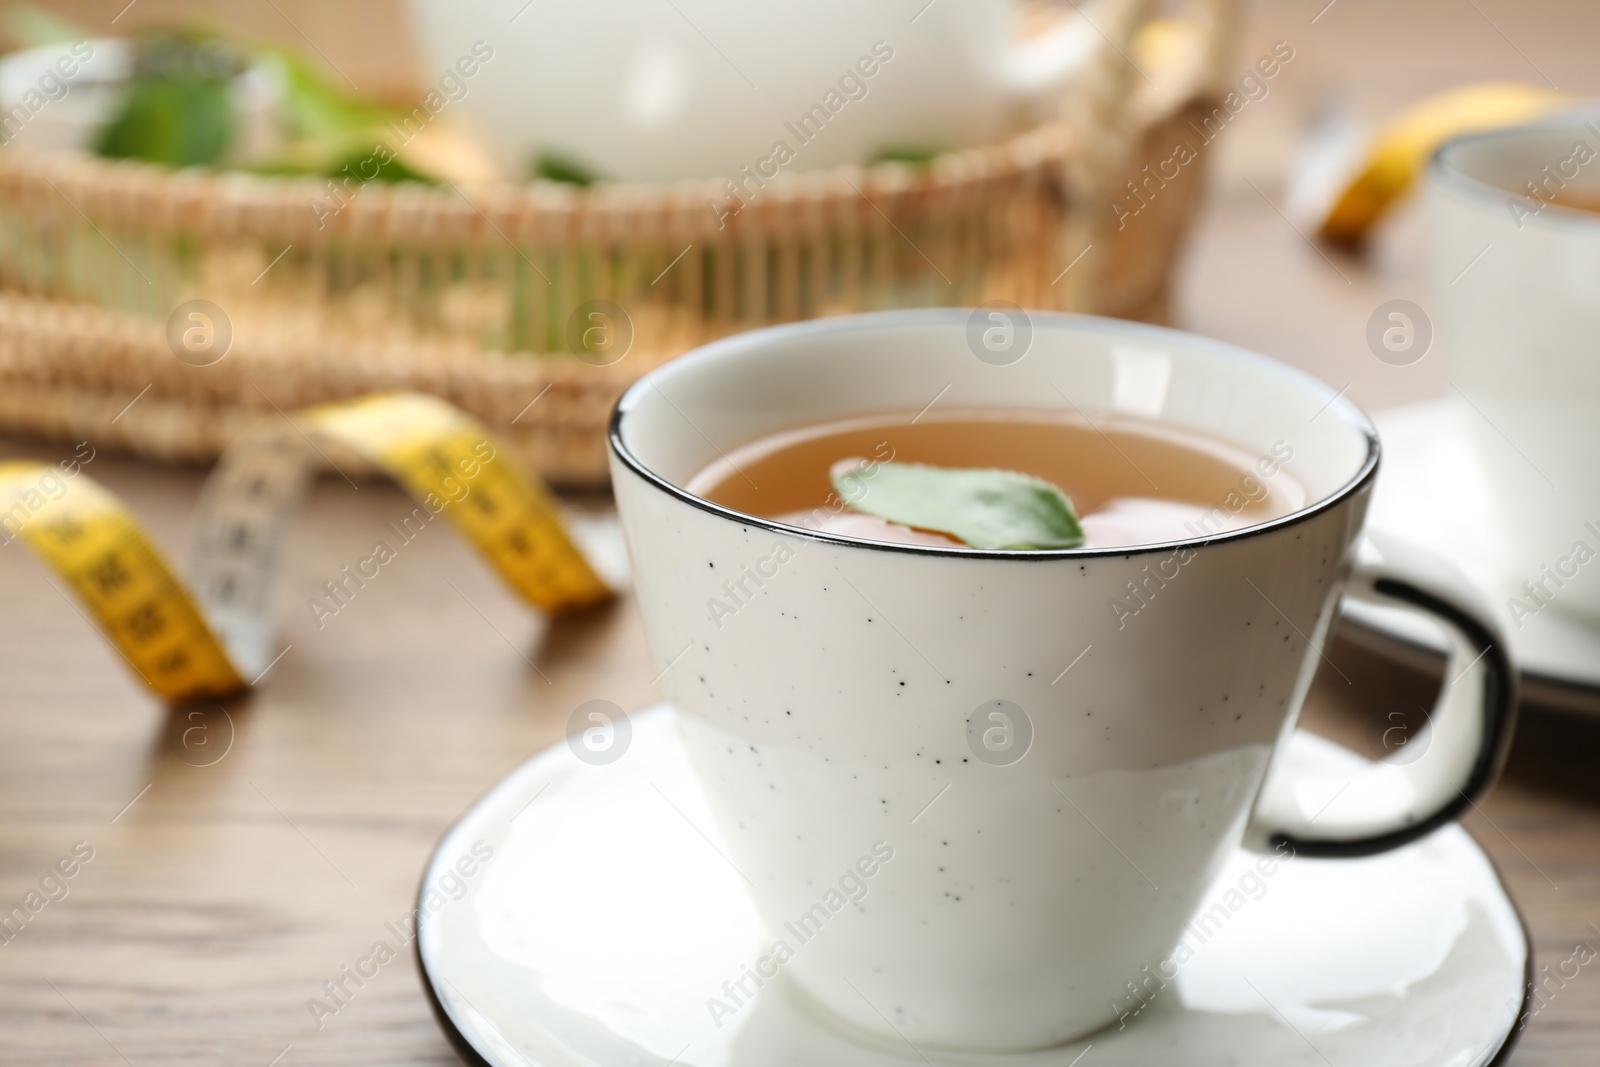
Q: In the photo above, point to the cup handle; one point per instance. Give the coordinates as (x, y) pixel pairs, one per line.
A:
(1318, 812)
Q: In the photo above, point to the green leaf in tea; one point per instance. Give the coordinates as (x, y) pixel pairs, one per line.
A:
(991, 509)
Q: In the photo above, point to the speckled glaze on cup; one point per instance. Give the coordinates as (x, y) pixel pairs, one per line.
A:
(830, 698)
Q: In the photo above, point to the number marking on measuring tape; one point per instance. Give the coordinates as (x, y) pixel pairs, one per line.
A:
(211, 638)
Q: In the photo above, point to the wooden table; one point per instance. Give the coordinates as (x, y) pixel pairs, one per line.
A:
(221, 897)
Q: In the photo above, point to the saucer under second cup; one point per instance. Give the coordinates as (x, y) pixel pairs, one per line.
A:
(1430, 491)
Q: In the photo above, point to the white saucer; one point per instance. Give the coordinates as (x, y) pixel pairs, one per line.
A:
(1430, 492)
(607, 915)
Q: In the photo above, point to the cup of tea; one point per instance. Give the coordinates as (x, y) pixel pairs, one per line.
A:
(1514, 221)
(1031, 760)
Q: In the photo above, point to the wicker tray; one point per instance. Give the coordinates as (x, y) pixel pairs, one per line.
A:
(469, 293)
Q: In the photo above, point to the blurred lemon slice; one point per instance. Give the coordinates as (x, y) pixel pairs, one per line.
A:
(1399, 149)
(1167, 42)
(447, 154)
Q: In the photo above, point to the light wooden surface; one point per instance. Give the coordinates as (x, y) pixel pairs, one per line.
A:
(225, 895)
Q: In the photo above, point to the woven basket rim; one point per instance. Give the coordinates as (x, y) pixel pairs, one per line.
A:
(1058, 150)
(1038, 146)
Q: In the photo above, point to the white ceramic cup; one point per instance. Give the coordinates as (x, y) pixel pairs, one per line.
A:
(650, 90)
(1056, 782)
(1517, 282)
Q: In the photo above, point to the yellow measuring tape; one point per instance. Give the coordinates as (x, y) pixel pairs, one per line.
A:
(211, 637)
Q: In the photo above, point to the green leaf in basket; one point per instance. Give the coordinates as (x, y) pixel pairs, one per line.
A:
(555, 168)
(178, 107)
(914, 154)
(183, 122)
(317, 109)
(992, 509)
(350, 156)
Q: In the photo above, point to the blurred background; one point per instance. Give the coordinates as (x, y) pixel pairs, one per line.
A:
(1360, 58)
(1227, 250)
